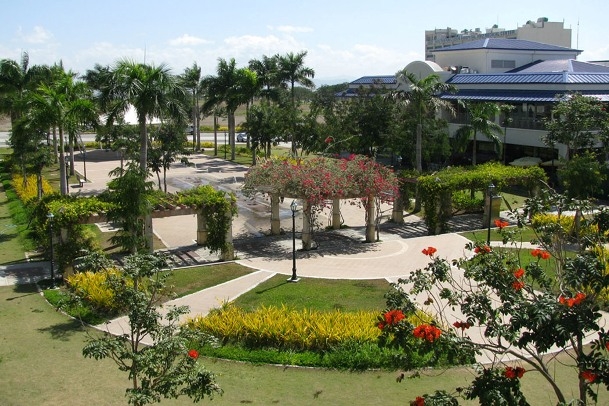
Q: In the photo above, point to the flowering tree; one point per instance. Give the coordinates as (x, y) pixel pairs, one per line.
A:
(167, 368)
(318, 179)
(514, 306)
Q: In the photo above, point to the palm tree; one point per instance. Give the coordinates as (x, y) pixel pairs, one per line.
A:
(267, 71)
(232, 87)
(481, 120)
(191, 80)
(292, 71)
(153, 91)
(423, 98)
(63, 104)
(15, 80)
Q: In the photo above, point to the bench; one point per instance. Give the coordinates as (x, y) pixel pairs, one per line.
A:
(80, 180)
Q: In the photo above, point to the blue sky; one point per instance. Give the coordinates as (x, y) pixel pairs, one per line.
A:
(345, 39)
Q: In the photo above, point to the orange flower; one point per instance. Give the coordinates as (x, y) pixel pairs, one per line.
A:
(393, 317)
(194, 354)
(501, 224)
(427, 332)
(429, 251)
(574, 301)
(519, 273)
(485, 249)
(517, 285)
(513, 373)
(537, 253)
(588, 376)
(419, 401)
(463, 325)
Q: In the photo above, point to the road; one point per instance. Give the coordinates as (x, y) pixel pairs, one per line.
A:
(90, 137)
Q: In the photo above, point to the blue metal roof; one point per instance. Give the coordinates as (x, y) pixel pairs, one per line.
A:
(375, 80)
(530, 78)
(504, 43)
(561, 65)
(497, 95)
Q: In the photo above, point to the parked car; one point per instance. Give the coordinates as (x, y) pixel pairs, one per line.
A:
(189, 130)
(242, 137)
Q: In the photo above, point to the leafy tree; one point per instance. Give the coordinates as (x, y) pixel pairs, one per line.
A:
(232, 87)
(481, 121)
(129, 191)
(267, 72)
(579, 122)
(153, 91)
(191, 80)
(16, 79)
(512, 314)
(291, 71)
(421, 99)
(169, 366)
(264, 125)
(167, 148)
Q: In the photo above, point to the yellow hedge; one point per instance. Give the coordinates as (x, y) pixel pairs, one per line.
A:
(283, 327)
(29, 191)
(92, 288)
(566, 224)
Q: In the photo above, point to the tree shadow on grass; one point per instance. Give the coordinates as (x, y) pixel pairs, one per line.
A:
(63, 331)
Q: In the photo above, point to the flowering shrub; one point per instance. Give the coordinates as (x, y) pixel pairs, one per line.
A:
(521, 311)
(316, 180)
(29, 190)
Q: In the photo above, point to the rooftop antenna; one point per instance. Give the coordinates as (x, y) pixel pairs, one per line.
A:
(577, 40)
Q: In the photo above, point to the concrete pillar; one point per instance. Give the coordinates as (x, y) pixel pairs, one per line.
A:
(397, 214)
(370, 219)
(202, 232)
(336, 214)
(306, 226)
(228, 253)
(275, 221)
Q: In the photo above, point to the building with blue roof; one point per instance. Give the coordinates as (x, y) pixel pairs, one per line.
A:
(528, 75)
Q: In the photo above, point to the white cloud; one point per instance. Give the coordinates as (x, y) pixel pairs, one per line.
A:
(37, 36)
(188, 40)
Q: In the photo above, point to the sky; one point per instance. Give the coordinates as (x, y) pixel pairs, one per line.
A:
(344, 39)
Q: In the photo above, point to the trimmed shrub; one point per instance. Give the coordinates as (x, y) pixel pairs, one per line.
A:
(91, 287)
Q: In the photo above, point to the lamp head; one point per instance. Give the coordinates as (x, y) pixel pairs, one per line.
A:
(293, 206)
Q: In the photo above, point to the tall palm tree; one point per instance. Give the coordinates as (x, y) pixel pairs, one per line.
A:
(291, 71)
(191, 79)
(232, 87)
(422, 97)
(16, 78)
(153, 91)
(481, 121)
(64, 104)
(267, 71)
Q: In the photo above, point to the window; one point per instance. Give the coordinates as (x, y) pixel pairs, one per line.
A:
(502, 64)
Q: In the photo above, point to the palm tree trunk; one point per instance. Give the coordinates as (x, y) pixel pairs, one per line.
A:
(143, 143)
(231, 134)
(475, 148)
(63, 181)
(419, 148)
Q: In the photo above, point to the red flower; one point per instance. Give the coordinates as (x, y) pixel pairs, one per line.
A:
(194, 354)
(419, 401)
(392, 317)
(429, 251)
(517, 285)
(513, 373)
(588, 376)
(462, 325)
(537, 253)
(607, 345)
(574, 301)
(501, 224)
(427, 332)
(381, 325)
(485, 249)
(329, 140)
(519, 273)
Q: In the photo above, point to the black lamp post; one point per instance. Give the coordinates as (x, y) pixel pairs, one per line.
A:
(491, 189)
(294, 208)
(50, 216)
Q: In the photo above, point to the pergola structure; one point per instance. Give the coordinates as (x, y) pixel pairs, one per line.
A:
(317, 181)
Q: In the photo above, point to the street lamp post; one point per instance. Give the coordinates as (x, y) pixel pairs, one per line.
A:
(224, 145)
(491, 189)
(294, 208)
(50, 216)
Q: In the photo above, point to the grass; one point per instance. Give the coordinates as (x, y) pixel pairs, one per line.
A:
(41, 363)
(190, 280)
(317, 294)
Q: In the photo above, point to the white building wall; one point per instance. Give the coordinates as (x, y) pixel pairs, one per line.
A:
(546, 32)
